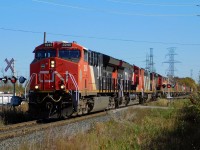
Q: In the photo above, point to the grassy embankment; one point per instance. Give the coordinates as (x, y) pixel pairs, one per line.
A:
(175, 128)
(10, 115)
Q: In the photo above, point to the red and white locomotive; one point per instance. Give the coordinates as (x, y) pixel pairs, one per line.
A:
(68, 78)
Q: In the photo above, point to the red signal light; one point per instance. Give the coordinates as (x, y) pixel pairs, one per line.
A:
(13, 79)
(168, 85)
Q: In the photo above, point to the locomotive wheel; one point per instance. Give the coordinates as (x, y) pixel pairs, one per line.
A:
(127, 101)
(85, 110)
(116, 103)
(67, 110)
(112, 103)
(141, 100)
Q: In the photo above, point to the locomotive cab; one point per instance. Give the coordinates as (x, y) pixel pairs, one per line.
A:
(54, 78)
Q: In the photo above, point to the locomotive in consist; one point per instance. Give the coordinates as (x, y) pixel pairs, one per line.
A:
(67, 78)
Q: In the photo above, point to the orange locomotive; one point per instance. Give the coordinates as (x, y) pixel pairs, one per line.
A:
(68, 78)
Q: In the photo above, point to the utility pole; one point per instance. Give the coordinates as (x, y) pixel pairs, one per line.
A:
(191, 73)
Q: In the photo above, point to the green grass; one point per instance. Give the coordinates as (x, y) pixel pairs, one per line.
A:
(170, 103)
(175, 128)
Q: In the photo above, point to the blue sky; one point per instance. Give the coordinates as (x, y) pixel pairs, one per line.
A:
(125, 29)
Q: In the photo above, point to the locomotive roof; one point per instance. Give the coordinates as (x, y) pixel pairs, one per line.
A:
(56, 44)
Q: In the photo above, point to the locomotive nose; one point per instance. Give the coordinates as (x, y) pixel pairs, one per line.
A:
(46, 75)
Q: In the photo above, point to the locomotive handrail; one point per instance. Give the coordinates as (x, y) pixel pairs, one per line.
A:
(121, 88)
(75, 84)
(29, 81)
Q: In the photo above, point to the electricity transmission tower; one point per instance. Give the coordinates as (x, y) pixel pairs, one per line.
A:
(149, 61)
(171, 61)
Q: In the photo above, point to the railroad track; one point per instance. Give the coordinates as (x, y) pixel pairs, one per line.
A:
(21, 129)
(181, 97)
(16, 126)
(16, 129)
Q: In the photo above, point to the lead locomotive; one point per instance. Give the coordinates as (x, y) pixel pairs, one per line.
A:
(67, 78)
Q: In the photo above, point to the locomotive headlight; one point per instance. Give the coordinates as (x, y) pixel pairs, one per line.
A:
(36, 87)
(62, 87)
(52, 63)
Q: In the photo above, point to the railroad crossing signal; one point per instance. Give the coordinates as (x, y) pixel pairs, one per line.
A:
(22, 80)
(4, 79)
(13, 79)
(9, 65)
(168, 86)
(164, 85)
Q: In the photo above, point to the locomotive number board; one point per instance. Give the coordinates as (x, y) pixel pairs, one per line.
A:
(66, 44)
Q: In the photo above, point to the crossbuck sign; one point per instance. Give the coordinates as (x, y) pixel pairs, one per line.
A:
(9, 65)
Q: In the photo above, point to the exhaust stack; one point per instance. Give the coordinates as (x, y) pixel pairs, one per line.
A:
(44, 37)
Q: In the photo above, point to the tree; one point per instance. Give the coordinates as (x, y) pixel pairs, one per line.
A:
(188, 82)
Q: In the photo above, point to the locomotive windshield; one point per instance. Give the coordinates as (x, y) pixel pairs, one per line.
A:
(40, 54)
(70, 54)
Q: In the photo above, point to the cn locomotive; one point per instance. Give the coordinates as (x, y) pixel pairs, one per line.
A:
(67, 78)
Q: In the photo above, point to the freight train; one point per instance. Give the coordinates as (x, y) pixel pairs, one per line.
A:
(67, 78)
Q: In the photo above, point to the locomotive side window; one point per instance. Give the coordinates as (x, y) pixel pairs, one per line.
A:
(89, 57)
(85, 56)
(40, 54)
(70, 54)
(92, 58)
(95, 59)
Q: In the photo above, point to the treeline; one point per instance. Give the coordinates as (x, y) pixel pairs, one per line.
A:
(188, 82)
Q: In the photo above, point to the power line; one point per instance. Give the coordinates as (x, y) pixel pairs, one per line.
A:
(153, 4)
(99, 38)
(62, 5)
(115, 12)
(19, 30)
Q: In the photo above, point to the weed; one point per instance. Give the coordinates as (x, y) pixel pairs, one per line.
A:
(10, 115)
